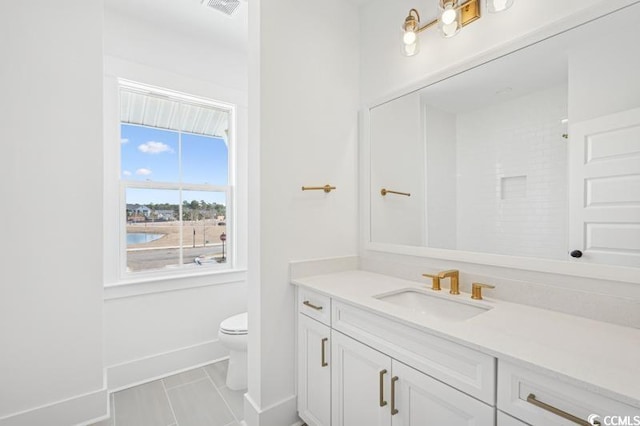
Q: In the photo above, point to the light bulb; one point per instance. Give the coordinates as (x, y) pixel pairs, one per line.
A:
(449, 22)
(410, 42)
(409, 37)
(449, 15)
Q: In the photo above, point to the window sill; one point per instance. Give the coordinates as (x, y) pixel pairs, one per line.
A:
(150, 285)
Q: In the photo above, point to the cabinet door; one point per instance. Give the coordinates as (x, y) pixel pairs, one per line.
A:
(314, 372)
(505, 420)
(422, 400)
(360, 384)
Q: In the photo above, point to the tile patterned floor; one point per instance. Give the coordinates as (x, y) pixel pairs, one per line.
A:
(197, 397)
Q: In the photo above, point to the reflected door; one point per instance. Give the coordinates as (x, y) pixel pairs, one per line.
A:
(605, 189)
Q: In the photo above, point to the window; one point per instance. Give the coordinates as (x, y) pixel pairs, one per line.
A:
(175, 183)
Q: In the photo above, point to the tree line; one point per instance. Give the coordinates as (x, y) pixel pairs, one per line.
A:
(191, 210)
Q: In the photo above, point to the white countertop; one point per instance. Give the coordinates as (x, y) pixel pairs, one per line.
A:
(598, 356)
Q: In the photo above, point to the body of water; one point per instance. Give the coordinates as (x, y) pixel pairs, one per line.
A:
(141, 237)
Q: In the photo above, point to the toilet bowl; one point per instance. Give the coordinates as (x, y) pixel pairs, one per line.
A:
(233, 335)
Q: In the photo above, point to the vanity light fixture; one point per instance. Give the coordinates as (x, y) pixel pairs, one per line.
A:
(453, 15)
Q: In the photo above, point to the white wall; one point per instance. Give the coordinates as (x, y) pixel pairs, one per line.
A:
(135, 40)
(303, 106)
(155, 328)
(441, 177)
(51, 220)
(512, 177)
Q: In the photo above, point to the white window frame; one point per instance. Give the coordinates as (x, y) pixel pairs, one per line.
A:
(125, 277)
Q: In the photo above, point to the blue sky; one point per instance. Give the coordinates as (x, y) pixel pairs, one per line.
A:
(149, 154)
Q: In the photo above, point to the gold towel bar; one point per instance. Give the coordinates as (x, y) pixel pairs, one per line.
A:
(384, 192)
(326, 188)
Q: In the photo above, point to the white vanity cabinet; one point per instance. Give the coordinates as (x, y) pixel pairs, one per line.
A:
(370, 382)
(540, 399)
(512, 367)
(371, 388)
(360, 384)
(314, 359)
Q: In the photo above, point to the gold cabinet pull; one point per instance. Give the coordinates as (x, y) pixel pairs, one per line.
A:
(385, 191)
(531, 399)
(311, 305)
(394, 410)
(323, 362)
(382, 401)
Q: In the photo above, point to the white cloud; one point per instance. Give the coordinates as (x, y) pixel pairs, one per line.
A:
(152, 147)
(143, 172)
(124, 140)
(126, 173)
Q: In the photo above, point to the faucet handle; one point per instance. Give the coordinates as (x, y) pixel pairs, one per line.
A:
(476, 290)
(435, 281)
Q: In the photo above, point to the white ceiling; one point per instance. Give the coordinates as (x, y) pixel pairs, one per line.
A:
(189, 17)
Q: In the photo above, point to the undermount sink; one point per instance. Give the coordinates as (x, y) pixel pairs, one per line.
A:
(421, 301)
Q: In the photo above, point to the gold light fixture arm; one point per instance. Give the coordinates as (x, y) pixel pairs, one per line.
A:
(412, 22)
(326, 188)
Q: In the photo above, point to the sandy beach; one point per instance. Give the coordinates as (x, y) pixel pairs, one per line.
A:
(206, 232)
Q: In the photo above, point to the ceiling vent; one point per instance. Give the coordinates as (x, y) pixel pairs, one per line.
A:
(225, 6)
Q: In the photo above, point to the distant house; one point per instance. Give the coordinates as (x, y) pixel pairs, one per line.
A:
(137, 210)
(138, 213)
(143, 210)
(165, 215)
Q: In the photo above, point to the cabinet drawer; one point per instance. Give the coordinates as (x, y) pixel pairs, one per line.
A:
(540, 399)
(460, 367)
(314, 305)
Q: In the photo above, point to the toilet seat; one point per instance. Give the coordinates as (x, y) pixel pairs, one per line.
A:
(235, 325)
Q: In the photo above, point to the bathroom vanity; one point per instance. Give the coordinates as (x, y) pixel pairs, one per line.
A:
(379, 350)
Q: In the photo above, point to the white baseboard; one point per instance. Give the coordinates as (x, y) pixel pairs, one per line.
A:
(278, 414)
(143, 370)
(72, 411)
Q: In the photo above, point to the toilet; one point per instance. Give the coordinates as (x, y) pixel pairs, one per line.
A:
(233, 335)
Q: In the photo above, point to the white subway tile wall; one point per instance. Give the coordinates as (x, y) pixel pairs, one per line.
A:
(512, 176)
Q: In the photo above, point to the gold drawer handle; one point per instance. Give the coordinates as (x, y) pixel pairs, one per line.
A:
(394, 410)
(324, 362)
(531, 399)
(382, 401)
(311, 305)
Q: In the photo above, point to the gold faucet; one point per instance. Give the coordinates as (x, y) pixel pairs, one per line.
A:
(454, 275)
